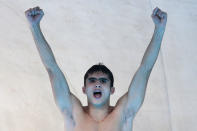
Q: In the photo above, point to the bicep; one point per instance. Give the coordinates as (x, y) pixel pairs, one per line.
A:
(137, 89)
(64, 99)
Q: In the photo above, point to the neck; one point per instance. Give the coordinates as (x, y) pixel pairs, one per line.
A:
(98, 114)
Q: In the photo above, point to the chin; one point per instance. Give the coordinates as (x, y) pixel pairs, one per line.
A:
(99, 103)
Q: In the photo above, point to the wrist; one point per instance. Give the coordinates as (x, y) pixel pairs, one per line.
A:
(159, 29)
(158, 33)
(34, 25)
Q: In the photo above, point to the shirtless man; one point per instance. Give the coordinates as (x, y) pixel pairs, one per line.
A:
(98, 84)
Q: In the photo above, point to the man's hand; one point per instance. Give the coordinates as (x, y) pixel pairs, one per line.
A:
(159, 18)
(34, 15)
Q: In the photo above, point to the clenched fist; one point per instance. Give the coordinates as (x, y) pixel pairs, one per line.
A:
(159, 18)
(34, 15)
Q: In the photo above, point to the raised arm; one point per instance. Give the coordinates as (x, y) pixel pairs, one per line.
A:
(63, 97)
(134, 98)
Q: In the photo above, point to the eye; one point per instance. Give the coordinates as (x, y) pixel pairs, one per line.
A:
(91, 80)
(103, 80)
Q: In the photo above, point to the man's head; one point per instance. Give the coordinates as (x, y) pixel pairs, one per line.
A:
(100, 68)
(98, 85)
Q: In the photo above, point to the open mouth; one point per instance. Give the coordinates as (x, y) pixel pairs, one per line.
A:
(97, 94)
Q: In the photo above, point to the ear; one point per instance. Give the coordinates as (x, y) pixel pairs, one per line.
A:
(84, 89)
(112, 90)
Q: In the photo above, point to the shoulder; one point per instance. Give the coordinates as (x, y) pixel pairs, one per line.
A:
(122, 101)
(111, 108)
(77, 108)
(120, 107)
(85, 108)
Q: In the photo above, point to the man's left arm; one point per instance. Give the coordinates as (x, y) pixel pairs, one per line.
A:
(135, 96)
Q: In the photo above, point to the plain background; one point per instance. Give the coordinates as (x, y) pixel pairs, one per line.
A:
(83, 33)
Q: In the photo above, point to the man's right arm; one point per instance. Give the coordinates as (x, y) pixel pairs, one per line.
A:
(63, 97)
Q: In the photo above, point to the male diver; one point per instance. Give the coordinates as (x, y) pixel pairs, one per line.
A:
(98, 84)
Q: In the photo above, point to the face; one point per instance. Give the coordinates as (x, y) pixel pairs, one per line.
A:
(98, 89)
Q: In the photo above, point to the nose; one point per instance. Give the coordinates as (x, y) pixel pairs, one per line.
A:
(98, 86)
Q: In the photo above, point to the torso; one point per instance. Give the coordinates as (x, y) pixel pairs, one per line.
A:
(81, 121)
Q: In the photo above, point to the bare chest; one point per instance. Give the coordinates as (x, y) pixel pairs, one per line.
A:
(113, 122)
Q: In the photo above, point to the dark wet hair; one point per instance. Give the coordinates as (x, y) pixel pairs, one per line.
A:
(102, 68)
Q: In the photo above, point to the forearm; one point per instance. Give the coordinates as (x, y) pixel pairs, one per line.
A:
(44, 49)
(153, 48)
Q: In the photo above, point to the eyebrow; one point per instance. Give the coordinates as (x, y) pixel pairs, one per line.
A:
(98, 78)
(91, 78)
